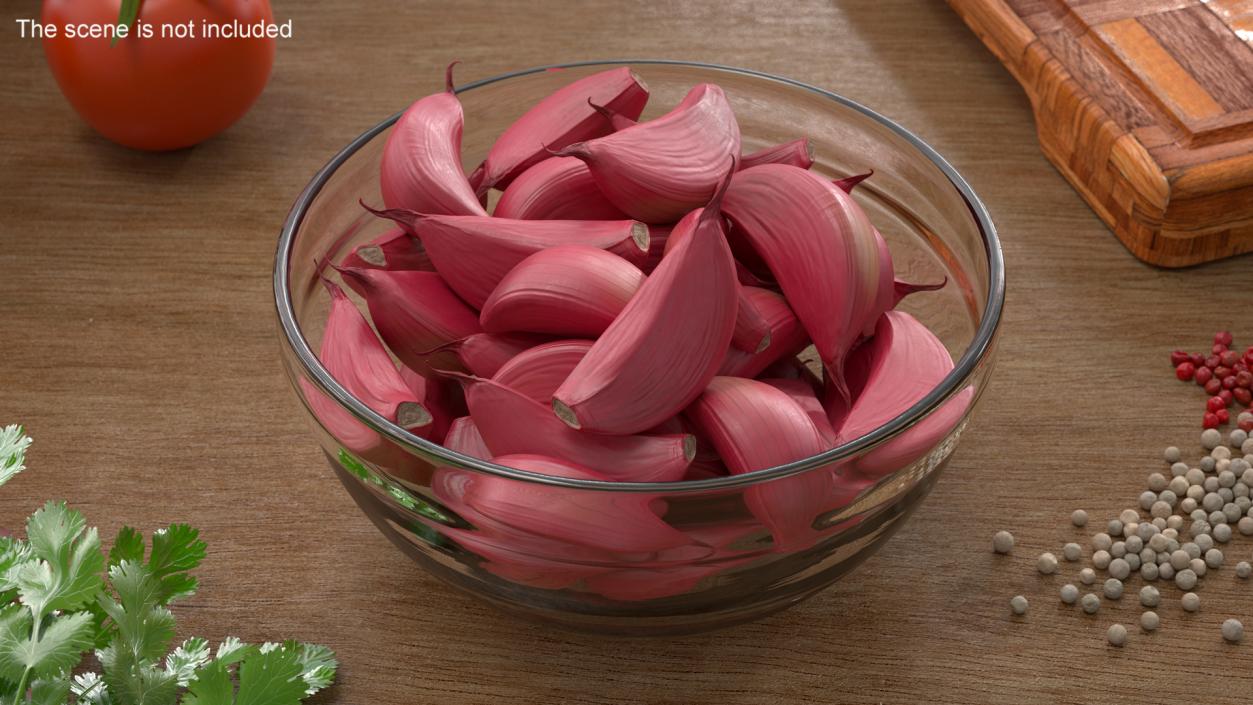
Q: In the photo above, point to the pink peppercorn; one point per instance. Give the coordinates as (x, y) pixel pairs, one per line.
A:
(1247, 425)
(1223, 337)
(1203, 375)
(1184, 371)
(1242, 395)
(1177, 357)
(1211, 361)
(1226, 395)
(1213, 387)
(1222, 371)
(1210, 420)
(1229, 382)
(1229, 358)
(1215, 403)
(1244, 378)
(1223, 416)
(1198, 359)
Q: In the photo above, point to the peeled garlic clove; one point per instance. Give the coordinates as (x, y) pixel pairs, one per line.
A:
(483, 354)
(787, 337)
(536, 373)
(847, 183)
(558, 188)
(564, 117)
(891, 372)
(414, 313)
(511, 424)
(421, 163)
(570, 290)
(464, 437)
(659, 170)
(821, 248)
(659, 353)
(756, 426)
(358, 361)
(798, 153)
(613, 521)
(803, 394)
(473, 253)
(394, 249)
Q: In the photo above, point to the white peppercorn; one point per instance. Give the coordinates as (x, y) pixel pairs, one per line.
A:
(1129, 516)
(1216, 518)
(1237, 437)
(1072, 552)
(1119, 549)
(1069, 594)
(1226, 478)
(1101, 559)
(1079, 517)
(1156, 525)
(1204, 542)
(1232, 512)
(1245, 525)
(1158, 542)
(1178, 485)
(1119, 568)
(1211, 438)
(1233, 630)
(1130, 529)
(1198, 566)
(1148, 555)
(1133, 544)
(1102, 541)
(1087, 576)
(1002, 542)
(1243, 503)
(1244, 570)
(1149, 571)
(1220, 454)
(1165, 571)
(1214, 558)
(1149, 621)
(1046, 564)
(1157, 482)
(1185, 579)
(1208, 464)
(1222, 464)
(1194, 476)
(1147, 498)
(1212, 502)
(1133, 561)
(1018, 604)
(1195, 493)
(1222, 533)
(1179, 559)
(1117, 634)
(1177, 469)
(1090, 603)
(1172, 533)
(1210, 484)
(1198, 528)
(1247, 447)
(1172, 454)
(1193, 550)
(1114, 527)
(1161, 508)
(1186, 505)
(1113, 589)
(1190, 602)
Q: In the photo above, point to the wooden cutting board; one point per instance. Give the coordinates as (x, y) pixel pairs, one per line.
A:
(1146, 107)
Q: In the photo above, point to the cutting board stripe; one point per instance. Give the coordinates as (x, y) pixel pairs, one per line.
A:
(1210, 51)
(1157, 68)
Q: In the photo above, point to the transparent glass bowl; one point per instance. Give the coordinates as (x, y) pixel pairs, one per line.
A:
(731, 571)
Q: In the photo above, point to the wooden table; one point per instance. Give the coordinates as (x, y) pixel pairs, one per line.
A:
(137, 343)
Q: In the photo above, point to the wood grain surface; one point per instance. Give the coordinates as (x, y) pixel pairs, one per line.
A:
(138, 345)
(1146, 106)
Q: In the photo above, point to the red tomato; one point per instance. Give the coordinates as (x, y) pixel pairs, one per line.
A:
(159, 93)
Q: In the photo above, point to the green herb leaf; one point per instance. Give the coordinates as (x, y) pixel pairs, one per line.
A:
(13, 553)
(318, 664)
(211, 686)
(232, 651)
(50, 691)
(271, 678)
(189, 656)
(68, 572)
(89, 689)
(137, 682)
(56, 650)
(175, 551)
(144, 627)
(128, 546)
(13, 445)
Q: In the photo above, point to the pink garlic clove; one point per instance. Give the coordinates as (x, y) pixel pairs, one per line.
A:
(536, 373)
(847, 183)
(414, 313)
(558, 188)
(756, 426)
(569, 290)
(483, 354)
(659, 353)
(787, 337)
(464, 437)
(803, 394)
(513, 424)
(821, 248)
(798, 153)
(421, 163)
(659, 170)
(474, 253)
(564, 117)
(394, 249)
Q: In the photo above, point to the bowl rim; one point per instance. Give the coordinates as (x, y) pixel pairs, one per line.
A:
(967, 364)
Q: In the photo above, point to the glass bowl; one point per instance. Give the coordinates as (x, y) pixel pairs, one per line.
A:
(731, 570)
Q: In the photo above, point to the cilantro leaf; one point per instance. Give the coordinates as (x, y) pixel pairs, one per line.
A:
(271, 678)
(176, 550)
(57, 649)
(189, 656)
(50, 691)
(211, 686)
(68, 572)
(319, 666)
(13, 553)
(144, 627)
(136, 682)
(89, 689)
(13, 445)
(232, 651)
(128, 546)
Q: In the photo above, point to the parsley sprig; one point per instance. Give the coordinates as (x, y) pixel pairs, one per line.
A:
(61, 600)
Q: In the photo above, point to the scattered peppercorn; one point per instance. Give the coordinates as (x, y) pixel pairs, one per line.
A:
(1003, 542)
(1149, 621)
(1018, 604)
(1090, 603)
(1117, 634)
(1191, 602)
(1069, 594)
(1046, 564)
(1233, 630)
(1079, 517)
